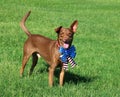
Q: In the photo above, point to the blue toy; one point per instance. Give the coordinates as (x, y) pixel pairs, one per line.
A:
(67, 55)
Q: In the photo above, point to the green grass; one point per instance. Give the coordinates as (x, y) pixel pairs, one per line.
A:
(97, 41)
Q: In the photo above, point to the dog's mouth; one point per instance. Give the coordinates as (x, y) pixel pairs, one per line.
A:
(66, 45)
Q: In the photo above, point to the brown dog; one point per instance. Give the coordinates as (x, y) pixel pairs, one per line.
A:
(46, 48)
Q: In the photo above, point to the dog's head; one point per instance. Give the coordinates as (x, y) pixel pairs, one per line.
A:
(65, 35)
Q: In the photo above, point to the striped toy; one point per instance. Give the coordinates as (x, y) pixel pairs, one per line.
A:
(67, 56)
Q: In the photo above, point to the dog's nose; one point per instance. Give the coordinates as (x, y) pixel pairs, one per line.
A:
(67, 41)
(65, 38)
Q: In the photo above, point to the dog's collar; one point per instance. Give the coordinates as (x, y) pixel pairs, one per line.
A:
(58, 44)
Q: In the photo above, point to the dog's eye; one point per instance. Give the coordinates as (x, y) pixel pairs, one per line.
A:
(61, 34)
(69, 34)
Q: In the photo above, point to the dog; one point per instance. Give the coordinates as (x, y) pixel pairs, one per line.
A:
(47, 48)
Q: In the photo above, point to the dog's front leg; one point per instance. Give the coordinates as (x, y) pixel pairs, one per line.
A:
(51, 74)
(62, 73)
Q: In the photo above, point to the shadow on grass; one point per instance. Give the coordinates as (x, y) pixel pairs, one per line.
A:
(75, 78)
(70, 77)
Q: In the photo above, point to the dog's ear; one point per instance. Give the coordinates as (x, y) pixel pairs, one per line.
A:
(74, 26)
(58, 29)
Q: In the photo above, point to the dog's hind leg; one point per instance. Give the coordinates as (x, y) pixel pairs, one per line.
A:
(34, 62)
(24, 61)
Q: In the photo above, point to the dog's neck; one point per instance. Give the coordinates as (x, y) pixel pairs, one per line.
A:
(58, 44)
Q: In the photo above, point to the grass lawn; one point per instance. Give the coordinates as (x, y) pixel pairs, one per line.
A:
(97, 41)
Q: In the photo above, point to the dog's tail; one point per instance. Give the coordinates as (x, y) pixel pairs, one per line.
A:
(22, 24)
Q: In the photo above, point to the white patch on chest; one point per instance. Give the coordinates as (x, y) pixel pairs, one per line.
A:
(38, 55)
